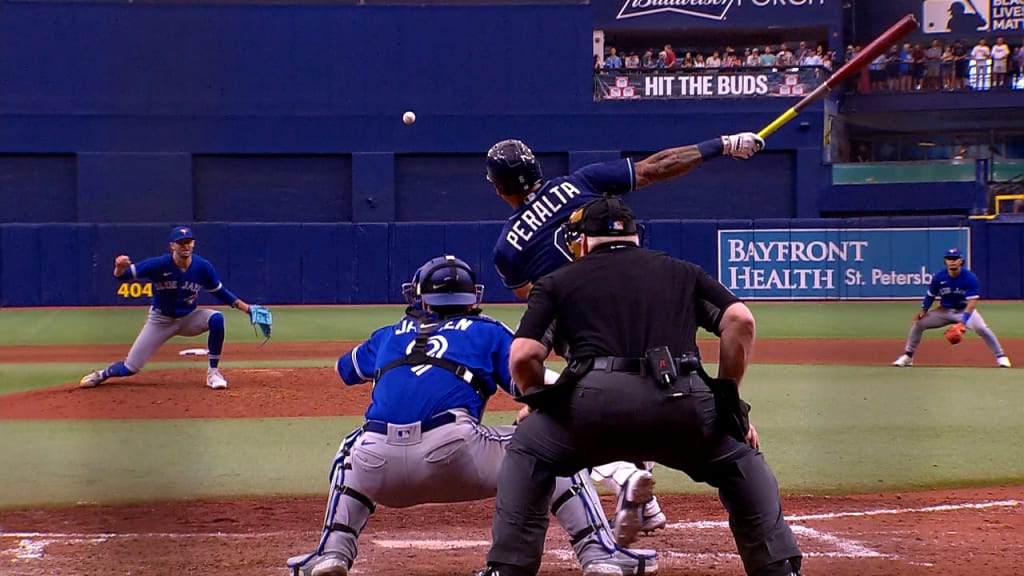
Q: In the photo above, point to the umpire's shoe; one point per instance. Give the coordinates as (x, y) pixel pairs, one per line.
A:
(91, 380)
(638, 489)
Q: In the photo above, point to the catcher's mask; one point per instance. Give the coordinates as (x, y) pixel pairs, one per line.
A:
(512, 167)
(606, 216)
(443, 281)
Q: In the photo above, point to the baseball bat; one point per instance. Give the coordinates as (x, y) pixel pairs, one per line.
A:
(872, 50)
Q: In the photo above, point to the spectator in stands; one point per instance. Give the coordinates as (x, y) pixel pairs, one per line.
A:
(801, 53)
(598, 63)
(876, 73)
(892, 69)
(906, 68)
(688, 60)
(632, 61)
(713, 61)
(660, 63)
(981, 54)
(960, 65)
(647, 62)
(947, 63)
(1000, 62)
(863, 152)
(670, 56)
(785, 58)
(811, 57)
(698, 62)
(917, 66)
(1018, 65)
(767, 58)
(933, 66)
(826, 62)
(613, 60)
(753, 58)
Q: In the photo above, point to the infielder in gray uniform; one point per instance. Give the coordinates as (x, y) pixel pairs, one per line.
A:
(956, 288)
(177, 279)
(423, 442)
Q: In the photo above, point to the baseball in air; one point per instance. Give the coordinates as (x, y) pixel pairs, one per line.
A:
(409, 117)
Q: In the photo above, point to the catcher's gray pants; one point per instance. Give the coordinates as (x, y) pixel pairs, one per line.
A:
(159, 329)
(940, 317)
(623, 416)
(457, 462)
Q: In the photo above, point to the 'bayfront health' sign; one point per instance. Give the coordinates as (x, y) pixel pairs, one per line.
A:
(834, 263)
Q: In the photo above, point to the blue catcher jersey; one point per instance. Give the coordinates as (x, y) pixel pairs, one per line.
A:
(174, 292)
(953, 293)
(530, 244)
(412, 393)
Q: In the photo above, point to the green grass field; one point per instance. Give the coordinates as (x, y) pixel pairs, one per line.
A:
(824, 429)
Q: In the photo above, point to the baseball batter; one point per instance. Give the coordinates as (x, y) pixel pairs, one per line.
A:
(532, 243)
(956, 288)
(423, 442)
(177, 279)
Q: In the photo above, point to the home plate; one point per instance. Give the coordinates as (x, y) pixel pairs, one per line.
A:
(432, 544)
(194, 352)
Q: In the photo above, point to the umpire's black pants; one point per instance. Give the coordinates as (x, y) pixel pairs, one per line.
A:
(619, 416)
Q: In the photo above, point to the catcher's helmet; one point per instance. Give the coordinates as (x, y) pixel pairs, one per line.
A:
(444, 281)
(512, 167)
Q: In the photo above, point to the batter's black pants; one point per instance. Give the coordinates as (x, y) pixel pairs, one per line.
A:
(623, 416)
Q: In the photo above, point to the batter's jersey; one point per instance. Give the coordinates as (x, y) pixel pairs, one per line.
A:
(175, 293)
(532, 244)
(953, 293)
(408, 393)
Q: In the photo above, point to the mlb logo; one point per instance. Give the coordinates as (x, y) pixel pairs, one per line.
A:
(621, 81)
(963, 17)
(616, 225)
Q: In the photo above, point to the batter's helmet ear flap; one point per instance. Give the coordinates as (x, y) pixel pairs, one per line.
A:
(512, 167)
(573, 234)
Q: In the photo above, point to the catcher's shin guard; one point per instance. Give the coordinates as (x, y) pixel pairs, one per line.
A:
(347, 513)
(577, 507)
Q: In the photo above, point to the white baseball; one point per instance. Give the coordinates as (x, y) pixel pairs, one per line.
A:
(409, 117)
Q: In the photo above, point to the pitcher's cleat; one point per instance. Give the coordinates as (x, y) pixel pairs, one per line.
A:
(1003, 362)
(904, 361)
(91, 380)
(215, 380)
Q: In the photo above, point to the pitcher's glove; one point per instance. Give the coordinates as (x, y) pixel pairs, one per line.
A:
(955, 333)
(261, 317)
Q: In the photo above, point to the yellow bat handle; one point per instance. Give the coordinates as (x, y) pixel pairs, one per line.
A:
(777, 123)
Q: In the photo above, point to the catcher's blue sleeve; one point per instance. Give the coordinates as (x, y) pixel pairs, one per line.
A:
(358, 364)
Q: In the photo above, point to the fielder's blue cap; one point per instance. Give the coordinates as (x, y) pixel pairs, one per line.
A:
(952, 254)
(181, 233)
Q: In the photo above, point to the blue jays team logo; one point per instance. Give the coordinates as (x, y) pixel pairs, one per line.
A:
(712, 9)
(962, 17)
(436, 347)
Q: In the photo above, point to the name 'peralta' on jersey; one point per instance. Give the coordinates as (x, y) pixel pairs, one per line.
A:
(413, 393)
(530, 245)
(175, 292)
(953, 293)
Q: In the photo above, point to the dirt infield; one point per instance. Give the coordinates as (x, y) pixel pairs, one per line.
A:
(963, 532)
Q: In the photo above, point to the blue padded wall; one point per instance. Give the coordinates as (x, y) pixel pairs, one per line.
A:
(38, 188)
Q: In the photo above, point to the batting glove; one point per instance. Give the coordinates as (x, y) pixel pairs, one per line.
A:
(742, 145)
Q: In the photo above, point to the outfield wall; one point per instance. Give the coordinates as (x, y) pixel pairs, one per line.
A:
(310, 263)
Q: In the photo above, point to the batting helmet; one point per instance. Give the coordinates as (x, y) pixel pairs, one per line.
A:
(444, 281)
(512, 167)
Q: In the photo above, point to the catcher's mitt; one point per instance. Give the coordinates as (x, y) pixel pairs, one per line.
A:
(261, 317)
(955, 333)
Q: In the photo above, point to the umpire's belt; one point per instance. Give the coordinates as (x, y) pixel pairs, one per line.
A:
(381, 427)
(684, 365)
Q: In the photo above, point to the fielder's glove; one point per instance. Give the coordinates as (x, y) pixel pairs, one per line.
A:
(261, 317)
(955, 333)
(742, 145)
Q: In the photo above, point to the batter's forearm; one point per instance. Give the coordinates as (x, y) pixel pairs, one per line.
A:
(674, 162)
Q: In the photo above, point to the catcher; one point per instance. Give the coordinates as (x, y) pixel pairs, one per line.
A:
(423, 442)
(177, 279)
(957, 290)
